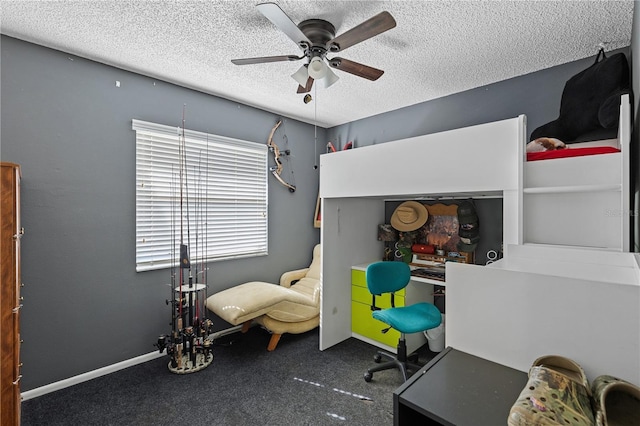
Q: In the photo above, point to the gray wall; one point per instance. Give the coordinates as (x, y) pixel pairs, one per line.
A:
(64, 120)
(489, 212)
(69, 126)
(537, 95)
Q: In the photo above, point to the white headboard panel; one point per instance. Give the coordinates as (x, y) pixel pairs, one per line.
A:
(478, 159)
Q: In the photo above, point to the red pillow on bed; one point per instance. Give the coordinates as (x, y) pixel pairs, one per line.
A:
(570, 152)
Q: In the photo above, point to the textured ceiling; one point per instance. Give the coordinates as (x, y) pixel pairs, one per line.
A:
(437, 47)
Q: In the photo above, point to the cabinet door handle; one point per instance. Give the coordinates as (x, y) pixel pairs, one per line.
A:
(19, 234)
(17, 380)
(17, 308)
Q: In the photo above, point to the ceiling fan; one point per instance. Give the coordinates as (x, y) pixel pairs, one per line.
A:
(317, 37)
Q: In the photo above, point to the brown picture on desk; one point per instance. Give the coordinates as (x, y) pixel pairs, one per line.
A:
(441, 229)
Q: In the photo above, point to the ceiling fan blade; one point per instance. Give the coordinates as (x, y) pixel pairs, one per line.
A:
(275, 14)
(263, 59)
(356, 68)
(307, 88)
(380, 23)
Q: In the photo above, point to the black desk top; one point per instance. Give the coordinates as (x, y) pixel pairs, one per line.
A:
(457, 388)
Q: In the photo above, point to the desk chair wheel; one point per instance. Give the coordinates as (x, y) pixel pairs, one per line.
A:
(390, 277)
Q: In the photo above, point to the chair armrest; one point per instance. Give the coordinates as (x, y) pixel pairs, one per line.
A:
(288, 277)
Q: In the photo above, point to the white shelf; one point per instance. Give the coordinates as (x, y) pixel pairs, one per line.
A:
(580, 201)
(573, 189)
(573, 263)
(429, 281)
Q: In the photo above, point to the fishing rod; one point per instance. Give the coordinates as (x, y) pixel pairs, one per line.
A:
(189, 348)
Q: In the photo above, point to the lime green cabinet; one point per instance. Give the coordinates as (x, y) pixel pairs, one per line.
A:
(361, 320)
(365, 327)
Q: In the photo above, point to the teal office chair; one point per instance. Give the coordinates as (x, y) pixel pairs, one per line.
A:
(389, 277)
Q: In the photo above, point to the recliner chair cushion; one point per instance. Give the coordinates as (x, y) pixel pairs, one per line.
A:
(249, 300)
(310, 288)
(314, 268)
(286, 311)
(281, 327)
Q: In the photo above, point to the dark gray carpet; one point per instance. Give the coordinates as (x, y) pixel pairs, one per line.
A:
(297, 384)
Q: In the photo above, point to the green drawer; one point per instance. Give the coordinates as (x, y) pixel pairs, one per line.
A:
(363, 323)
(359, 278)
(362, 295)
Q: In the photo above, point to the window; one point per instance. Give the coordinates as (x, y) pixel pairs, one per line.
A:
(215, 204)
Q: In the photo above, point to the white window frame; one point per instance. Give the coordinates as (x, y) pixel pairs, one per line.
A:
(216, 203)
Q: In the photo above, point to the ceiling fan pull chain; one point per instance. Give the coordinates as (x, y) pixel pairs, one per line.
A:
(315, 126)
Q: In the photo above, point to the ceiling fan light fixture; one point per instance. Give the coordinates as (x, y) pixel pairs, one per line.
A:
(317, 68)
(301, 76)
(330, 78)
(316, 37)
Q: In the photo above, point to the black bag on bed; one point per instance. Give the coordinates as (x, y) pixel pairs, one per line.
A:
(590, 103)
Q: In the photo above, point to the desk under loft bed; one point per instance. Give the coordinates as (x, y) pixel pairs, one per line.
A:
(586, 198)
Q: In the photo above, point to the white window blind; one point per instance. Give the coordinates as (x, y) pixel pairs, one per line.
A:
(210, 195)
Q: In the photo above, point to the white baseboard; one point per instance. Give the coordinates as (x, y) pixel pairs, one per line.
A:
(52, 387)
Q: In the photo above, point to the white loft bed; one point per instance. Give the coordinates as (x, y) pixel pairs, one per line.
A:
(480, 161)
(581, 201)
(477, 161)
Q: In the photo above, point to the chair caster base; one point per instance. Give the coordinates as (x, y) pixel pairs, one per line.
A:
(403, 364)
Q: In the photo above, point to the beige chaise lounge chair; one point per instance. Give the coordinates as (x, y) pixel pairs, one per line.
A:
(291, 307)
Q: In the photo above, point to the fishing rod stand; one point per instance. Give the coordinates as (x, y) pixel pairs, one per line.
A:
(190, 348)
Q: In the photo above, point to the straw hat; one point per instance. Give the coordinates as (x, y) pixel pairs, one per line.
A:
(409, 216)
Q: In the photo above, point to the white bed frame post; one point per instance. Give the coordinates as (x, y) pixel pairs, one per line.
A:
(624, 136)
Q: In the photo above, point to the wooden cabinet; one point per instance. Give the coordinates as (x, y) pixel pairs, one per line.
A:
(10, 305)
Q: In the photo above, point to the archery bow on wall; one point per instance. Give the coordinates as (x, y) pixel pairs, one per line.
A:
(277, 169)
